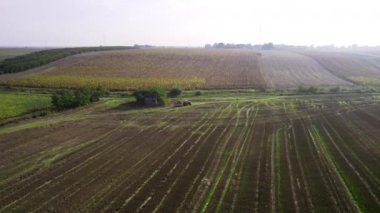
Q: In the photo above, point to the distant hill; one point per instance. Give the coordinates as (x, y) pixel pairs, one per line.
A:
(34, 59)
(7, 52)
(205, 68)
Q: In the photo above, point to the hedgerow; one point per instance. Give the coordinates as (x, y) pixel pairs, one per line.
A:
(36, 59)
(66, 99)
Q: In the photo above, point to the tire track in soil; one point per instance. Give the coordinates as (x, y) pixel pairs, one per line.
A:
(186, 153)
(102, 202)
(32, 178)
(226, 199)
(106, 168)
(343, 196)
(135, 188)
(323, 198)
(355, 190)
(215, 174)
(188, 201)
(236, 187)
(171, 203)
(92, 151)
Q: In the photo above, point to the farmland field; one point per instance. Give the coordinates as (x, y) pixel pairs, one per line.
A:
(17, 103)
(204, 68)
(353, 66)
(188, 68)
(287, 69)
(12, 52)
(232, 151)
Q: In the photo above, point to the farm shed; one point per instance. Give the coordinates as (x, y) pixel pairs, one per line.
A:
(150, 99)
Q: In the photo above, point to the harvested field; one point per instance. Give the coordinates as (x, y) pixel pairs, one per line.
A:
(203, 68)
(237, 153)
(353, 66)
(283, 69)
(210, 68)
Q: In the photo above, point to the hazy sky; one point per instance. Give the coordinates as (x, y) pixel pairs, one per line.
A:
(188, 22)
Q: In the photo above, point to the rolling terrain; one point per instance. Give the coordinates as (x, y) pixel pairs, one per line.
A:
(13, 52)
(359, 67)
(284, 69)
(230, 152)
(204, 68)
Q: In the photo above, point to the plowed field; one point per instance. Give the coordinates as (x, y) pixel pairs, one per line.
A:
(238, 153)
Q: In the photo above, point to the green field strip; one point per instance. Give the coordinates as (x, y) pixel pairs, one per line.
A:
(277, 162)
(225, 157)
(68, 150)
(287, 147)
(245, 136)
(354, 187)
(210, 131)
(325, 151)
(126, 201)
(74, 150)
(225, 162)
(19, 103)
(210, 158)
(249, 138)
(119, 181)
(184, 169)
(352, 153)
(315, 178)
(188, 139)
(302, 170)
(90, 174)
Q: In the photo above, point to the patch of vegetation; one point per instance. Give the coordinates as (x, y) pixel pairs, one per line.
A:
(157, 95)
(174, 92)
(198, 93)
(36, 59)
(13, 104)
(336, 89)
(66, 99)
(364, 80)
(112, 83)
(308, 90)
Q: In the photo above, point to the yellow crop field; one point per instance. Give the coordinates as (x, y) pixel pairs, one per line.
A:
(203, 68)
(365, 80)
(116, 83)
(129, 69)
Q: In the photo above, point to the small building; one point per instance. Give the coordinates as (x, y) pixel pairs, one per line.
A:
(150, 99)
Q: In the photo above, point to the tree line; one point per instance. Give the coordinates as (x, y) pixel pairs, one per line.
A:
(36, 59)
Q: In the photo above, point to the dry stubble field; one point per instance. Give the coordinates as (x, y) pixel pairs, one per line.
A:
(204, 68)
(256, 153)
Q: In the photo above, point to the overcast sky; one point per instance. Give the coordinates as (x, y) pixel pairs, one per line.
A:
(188, 22)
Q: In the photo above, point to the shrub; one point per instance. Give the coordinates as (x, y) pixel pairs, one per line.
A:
(159, 92)
(63, 99)
(197, 93)
(66, 99)
(302, 89)
(308, 90)
(313, 89)
(335, 89)
(174, 92)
